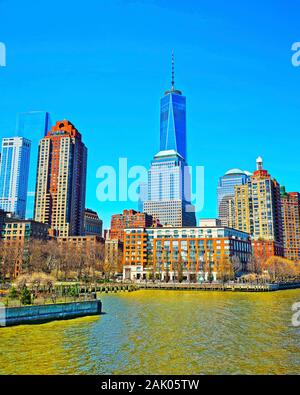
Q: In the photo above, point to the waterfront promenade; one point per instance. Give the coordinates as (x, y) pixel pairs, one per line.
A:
(231, 287)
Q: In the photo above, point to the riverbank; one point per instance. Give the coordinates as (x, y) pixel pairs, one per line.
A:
(220, 287)
(38, 314)
(199, 287)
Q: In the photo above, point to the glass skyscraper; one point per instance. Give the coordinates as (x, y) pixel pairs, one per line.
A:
(169, 186)
(143, 195)
(168, 190)
(14, 171)
(226, 195)
(35, 124)
(173, 122)
(173, 119)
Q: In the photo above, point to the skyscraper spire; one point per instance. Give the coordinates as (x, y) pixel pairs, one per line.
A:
(173, 71)
(173, 90)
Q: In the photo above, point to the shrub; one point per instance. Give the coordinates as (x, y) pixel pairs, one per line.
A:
(13, 294)
(25, 296)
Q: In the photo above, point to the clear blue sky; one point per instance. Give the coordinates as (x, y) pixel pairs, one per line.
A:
(104, 64)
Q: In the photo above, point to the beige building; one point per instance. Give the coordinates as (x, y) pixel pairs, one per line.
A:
(83, 243)
(258, 212)
(16, 234)
(113, 254)
(242, 208)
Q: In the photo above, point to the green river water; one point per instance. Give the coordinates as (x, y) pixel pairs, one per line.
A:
(163, 332)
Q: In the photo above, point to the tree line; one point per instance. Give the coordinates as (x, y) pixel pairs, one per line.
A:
(63, 261)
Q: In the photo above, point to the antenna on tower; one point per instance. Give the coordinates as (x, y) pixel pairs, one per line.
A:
(173, 71)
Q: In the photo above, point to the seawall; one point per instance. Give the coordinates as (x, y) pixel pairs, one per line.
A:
(50, 312)
(220, 287)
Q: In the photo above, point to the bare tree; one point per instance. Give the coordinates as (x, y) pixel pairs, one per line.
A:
(237, 266)
(225, 270)
(254, 265)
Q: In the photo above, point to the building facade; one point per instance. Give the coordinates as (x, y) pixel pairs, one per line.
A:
(143, 195)
(2, 218)
(113, 255)
(17, 230)
(16, 234)
(14, 172)
(61, 181)
(290, 210)
(84, 244)
(243, 208)
(129, 219)
(258, 211)
(226, 194)
(92, 223)
(196, 251)
(169, 190)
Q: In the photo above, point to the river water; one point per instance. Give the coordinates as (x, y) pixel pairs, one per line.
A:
(163, 332)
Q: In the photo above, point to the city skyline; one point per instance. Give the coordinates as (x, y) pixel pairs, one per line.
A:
(235, 112)
(149, 192)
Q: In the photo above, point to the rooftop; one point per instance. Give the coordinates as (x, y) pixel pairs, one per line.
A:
(163, 154)
(238, 171)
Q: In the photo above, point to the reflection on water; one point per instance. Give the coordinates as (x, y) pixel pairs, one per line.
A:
(163, 332)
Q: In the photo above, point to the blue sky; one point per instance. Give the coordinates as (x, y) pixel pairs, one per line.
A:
(104, 64)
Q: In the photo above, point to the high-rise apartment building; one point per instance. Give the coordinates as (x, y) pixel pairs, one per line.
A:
(290, 209)
(61, 180)
(226, 193)
(169, 186)
(258, 211)
(14, 171)
(243, 208)
(128, 219)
